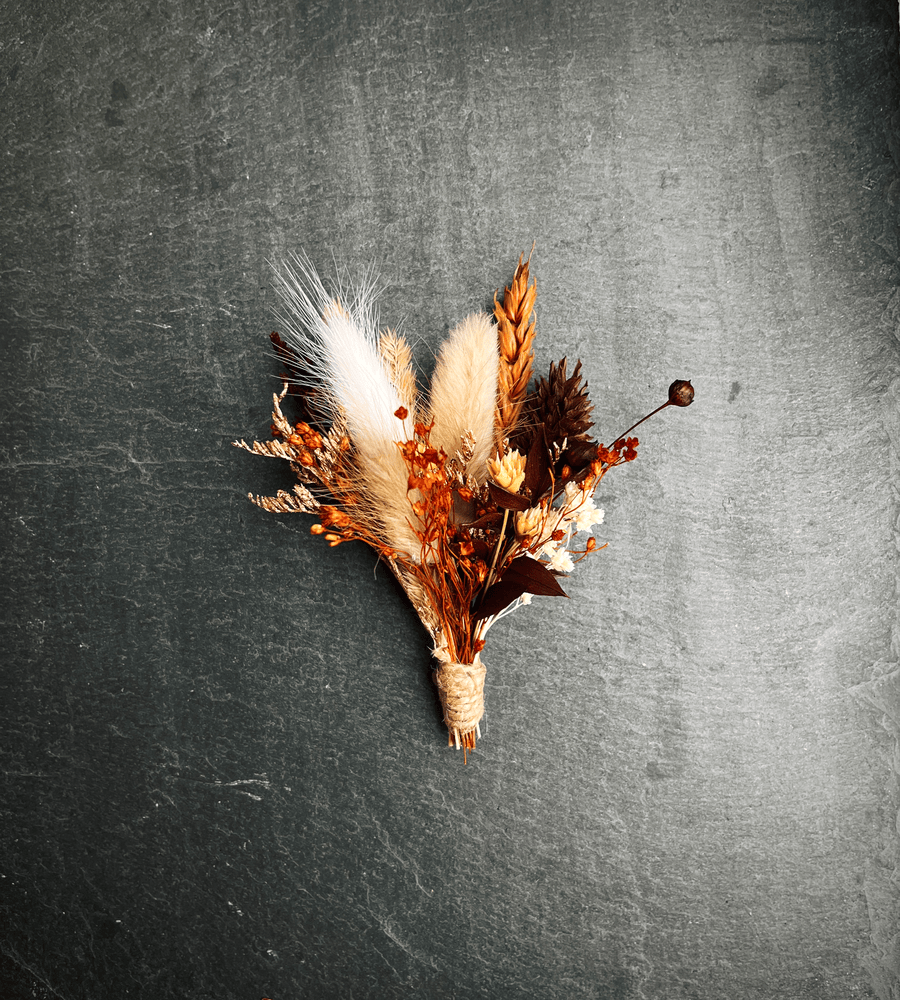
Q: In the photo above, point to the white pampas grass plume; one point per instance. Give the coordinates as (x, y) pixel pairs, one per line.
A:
(337, 340)
(464, 391)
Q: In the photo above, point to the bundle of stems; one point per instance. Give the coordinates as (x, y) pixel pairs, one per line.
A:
(475, 495)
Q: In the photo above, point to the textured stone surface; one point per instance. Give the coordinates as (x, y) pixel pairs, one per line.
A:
(682, 788)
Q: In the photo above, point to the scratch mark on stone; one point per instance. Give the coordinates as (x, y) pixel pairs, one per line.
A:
(406, 863)
(388, 928)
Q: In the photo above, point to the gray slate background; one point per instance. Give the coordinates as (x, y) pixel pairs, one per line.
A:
(225, 771)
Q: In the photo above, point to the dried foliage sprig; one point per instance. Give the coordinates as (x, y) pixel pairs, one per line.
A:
(475, 499)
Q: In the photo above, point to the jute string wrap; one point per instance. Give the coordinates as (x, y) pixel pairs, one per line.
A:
(461, 687)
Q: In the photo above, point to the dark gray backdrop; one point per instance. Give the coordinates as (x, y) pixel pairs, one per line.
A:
(225, 772)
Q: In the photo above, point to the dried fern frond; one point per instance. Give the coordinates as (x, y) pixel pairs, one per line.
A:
(515, 333)
(300, 451)
(268, 449)
(300, 502)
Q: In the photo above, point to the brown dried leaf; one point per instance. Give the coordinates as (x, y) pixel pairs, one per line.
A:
(537, 467)
(523, 576)
(535, 577)
(506, 500)
(498, 597)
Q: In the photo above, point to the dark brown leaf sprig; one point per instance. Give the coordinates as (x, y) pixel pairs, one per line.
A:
(469, 538)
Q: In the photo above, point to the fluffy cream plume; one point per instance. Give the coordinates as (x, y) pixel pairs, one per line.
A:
(337, 340)
(464, 391)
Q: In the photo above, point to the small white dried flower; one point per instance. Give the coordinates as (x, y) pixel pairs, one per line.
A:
(561, 562)
(580, 511)
(587, 516)
(573, 492)
(548, 549)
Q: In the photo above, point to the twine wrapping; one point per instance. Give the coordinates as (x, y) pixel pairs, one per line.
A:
(461, 688)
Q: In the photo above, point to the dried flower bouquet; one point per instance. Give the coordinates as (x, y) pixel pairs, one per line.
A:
(474, 496)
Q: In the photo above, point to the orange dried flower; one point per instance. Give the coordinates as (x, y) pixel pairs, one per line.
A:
(311, 438)
(466, 547)
(334, 517)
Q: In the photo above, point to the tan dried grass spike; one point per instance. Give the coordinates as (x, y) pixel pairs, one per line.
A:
(397, 357)
(515, 334)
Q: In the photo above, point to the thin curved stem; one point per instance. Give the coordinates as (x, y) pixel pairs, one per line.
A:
(638, 424)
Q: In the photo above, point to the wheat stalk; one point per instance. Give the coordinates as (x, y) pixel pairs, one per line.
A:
(397, 357)
(515, 333)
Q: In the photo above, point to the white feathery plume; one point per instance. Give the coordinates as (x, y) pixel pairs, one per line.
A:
(338, 344)
(464, 391)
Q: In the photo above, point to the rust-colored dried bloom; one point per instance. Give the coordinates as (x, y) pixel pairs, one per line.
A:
(630, 453)
(681, 393)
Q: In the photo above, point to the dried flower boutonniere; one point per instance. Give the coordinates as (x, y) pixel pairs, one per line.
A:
(474, 496)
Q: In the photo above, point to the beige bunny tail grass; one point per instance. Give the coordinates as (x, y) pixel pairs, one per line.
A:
(464, 392)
